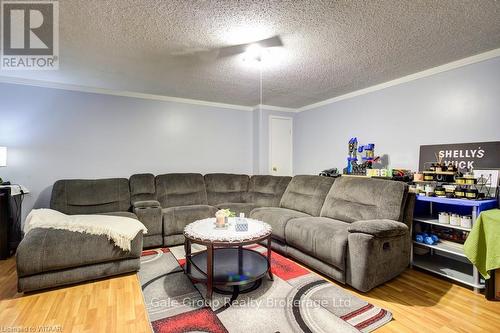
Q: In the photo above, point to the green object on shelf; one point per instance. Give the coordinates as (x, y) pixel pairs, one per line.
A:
(482, 247)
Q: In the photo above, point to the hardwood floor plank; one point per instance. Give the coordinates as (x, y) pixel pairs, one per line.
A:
(419, 302)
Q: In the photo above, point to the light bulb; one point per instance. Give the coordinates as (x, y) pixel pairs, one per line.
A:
(253, 52)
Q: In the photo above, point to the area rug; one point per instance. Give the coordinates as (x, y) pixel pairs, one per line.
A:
(297, 300)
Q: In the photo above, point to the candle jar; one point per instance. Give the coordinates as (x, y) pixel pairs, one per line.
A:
(444, 218)
(220, 221)
(466, 222)
(455, 219)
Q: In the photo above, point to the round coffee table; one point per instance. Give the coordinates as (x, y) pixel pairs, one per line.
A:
(226, 262)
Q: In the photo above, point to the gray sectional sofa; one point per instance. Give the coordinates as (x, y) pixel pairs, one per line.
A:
(354, 230)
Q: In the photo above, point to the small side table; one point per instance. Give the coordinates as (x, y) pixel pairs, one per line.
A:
(226, 262)
(11, 197)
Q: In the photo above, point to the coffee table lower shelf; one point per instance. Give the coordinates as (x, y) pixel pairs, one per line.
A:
(234, 267)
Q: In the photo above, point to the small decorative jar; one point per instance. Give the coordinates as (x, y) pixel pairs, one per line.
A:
(459, 192)
(220, 219)
(440, 192)
(429, 190)
(466, 222)
(428, 177)
(444, 218)
(455, 219)
(418, 176)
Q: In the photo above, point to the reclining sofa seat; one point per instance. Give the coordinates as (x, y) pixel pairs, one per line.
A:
(48, 258)
(183, 198)
(242, 194)
(359, 238)
(303, 197)
(226, 191)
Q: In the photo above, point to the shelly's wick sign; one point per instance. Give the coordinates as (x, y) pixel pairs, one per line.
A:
(479, 155)
(30, 35)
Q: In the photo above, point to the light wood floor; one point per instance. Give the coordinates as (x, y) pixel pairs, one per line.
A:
(418, 301)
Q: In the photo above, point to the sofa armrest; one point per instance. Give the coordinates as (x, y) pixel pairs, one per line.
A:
(377, 251)
(150, 214)
(379, 228)
(146, 204)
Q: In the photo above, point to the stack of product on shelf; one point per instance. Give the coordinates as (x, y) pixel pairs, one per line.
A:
(464, 221)
(446, 181)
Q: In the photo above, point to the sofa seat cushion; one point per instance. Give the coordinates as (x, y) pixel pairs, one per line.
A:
(122, 214)
(320, 237)
(237, 207)
(277, 218)
(176, 218)
(44, 250)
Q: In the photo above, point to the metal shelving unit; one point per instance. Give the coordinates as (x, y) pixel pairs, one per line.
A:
(447, 258)
(445, 246)
(435, 221)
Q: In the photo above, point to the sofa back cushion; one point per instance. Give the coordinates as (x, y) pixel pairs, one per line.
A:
(181, 189)
(306, 193)
(84, 196)
(225, 187)
(142, 187)
(266, 191)
(352, 199)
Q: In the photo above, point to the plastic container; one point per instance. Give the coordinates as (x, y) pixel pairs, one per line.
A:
(466, 222)
(455, 219)
(444, 218)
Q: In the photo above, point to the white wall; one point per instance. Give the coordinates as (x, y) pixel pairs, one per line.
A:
(461, 105)
(54, 134)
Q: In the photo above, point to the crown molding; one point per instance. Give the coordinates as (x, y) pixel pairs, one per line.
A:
(71, 87)
(429, 72)
(273, 108)
(419, 75)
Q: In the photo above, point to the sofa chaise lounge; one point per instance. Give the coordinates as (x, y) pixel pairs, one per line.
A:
(354, 230)
(49, 258)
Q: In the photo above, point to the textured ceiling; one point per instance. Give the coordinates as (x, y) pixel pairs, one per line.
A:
(330, 47)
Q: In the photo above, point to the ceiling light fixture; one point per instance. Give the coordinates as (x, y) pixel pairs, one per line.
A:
(255, 52)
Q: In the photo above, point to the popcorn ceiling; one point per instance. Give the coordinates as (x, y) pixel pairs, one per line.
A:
(331, 47)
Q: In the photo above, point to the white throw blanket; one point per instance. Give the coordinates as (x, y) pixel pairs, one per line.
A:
(122, 230)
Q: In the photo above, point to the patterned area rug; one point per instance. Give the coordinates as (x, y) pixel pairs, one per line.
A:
(298, 300)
